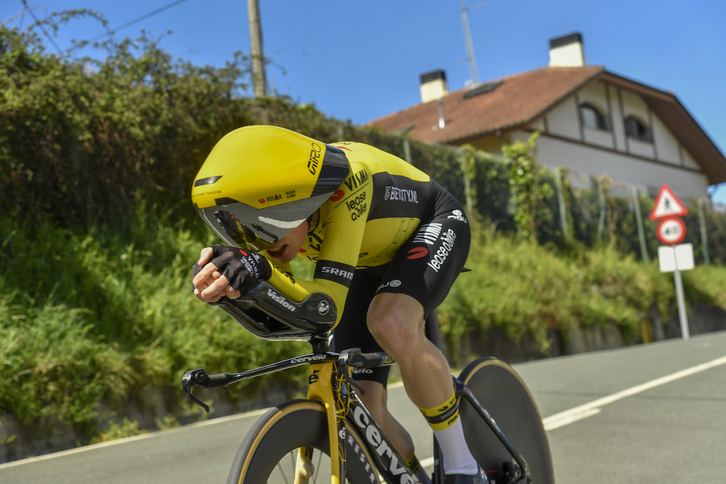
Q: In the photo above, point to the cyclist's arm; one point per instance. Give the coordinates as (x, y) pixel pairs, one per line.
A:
(337, 259)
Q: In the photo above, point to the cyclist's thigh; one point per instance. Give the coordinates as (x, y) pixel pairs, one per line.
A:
(427, 265)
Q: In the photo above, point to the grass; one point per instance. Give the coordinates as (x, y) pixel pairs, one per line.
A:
(104, 316)
(521, 288)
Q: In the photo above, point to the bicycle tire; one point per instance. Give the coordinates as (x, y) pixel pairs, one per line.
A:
(501, 391)
(284, 429)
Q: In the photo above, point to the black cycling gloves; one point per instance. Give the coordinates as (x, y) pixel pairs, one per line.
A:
(242, 268)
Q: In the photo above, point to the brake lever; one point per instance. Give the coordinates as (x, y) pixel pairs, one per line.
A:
(193, 378)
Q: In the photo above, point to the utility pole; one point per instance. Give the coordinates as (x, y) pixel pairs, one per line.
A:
(259, 82)
(467, 35)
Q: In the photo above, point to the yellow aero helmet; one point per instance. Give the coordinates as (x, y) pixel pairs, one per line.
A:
(260, 182)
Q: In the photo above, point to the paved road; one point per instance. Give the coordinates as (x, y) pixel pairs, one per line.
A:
(653, 413)
(672, 433)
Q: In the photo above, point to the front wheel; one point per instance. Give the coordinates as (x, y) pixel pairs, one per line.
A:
(269, 452)
(504, 395)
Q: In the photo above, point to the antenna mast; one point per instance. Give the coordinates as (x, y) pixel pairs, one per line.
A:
(467, 35)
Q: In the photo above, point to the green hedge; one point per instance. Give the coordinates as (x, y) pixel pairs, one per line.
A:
(521, 287)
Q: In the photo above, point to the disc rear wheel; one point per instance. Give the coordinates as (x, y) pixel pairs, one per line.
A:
(504, 395)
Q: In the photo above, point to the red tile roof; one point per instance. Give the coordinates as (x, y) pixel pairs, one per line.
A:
(518, 100)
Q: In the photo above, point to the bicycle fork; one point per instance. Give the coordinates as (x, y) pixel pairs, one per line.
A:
(321, 377)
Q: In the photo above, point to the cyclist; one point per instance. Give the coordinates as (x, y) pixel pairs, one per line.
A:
(387, 242)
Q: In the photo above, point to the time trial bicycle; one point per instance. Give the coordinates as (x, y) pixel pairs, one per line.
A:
(330, 435)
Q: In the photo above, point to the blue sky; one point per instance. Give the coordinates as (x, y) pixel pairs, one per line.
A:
(358, 61)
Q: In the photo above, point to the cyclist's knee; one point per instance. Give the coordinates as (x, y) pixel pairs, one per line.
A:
(395, 321)
(390, 334)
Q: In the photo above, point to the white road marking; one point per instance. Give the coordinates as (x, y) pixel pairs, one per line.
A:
(593, 408)
(77, 450)
(426, 463)
(568, 417)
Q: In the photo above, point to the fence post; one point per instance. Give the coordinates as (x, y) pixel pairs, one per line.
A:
(603, 211)
(407, 150)
(639, 219)
(467, 183)
(563, 205)
(704, 235)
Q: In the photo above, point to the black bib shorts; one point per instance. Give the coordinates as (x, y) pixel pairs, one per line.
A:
(425, 268)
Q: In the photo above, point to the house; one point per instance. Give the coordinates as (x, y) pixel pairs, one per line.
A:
(592, 121)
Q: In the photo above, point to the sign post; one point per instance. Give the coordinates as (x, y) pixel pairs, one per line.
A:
(677, 259)
(671, 231)
(682, 315)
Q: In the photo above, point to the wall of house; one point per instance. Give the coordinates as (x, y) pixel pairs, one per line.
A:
(666, 145)
(591, 151)
(616, 118)
(595, 94)
(563, 120)
(585, 161)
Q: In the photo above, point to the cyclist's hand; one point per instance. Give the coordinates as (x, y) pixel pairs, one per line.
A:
(204, 275)
(228, 271)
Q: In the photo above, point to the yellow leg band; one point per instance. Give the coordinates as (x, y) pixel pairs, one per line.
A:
(443, 416)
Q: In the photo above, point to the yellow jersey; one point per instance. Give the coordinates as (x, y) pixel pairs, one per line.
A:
(362, 225)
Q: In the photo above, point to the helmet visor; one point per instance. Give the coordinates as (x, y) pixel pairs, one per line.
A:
(233, 232)
(246, 227)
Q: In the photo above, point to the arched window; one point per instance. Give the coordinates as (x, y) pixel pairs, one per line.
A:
(636, 129)
(592, 117)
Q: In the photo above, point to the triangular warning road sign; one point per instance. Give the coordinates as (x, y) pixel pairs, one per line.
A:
(667, 205)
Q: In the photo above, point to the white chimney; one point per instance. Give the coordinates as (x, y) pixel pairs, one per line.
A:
(567, 51)
(433, 86)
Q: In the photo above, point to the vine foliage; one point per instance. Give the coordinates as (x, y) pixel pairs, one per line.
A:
(524, 174)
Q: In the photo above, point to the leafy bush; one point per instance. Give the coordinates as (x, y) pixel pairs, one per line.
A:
(53, 365)
(100, 317)
(80, 137)
(127, 428)
(521, 287)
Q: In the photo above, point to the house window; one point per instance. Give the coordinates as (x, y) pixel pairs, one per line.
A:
(592, 117)
(636, 129)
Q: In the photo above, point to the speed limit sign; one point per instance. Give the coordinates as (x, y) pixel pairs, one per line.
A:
(671, 231)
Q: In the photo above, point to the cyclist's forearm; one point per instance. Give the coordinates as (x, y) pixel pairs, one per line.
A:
(298, 290)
